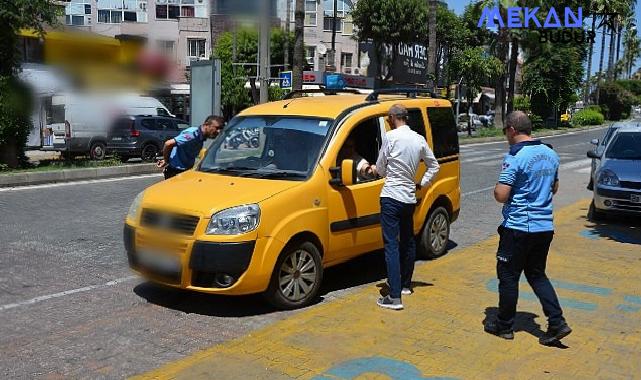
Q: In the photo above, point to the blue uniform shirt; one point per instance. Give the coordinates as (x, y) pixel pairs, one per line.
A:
(188, 145)
(530, 168)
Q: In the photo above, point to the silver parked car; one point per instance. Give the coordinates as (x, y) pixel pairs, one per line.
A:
(617, 179)
(601, 144)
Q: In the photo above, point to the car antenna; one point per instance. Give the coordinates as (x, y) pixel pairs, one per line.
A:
(290, 102)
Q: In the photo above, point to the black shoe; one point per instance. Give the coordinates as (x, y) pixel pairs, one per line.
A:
(555, 334)
(495, 329)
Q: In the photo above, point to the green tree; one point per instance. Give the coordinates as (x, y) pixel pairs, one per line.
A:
(475, 66)
(451, 36)
(235, 96)
(390, 23)
(15, 110)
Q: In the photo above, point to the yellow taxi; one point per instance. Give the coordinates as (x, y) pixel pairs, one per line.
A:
(269, 216)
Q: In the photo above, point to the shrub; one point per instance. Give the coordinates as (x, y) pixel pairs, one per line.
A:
(537, 121)
(617, 99)
(15, 120)
(594, 107)
(522, 103)
(587, 117)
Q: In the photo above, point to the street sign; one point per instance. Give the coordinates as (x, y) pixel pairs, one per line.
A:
(286, 80)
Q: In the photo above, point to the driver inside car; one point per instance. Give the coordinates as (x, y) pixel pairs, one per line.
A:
(364, 170)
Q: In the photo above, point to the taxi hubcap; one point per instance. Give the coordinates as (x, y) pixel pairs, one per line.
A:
(297, 275)
(438, 232)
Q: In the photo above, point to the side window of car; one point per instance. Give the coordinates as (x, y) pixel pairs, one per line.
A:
(443, 131)
(148, 124)
(363, 143)
(415, 121)
(165, 125)
(162, 112)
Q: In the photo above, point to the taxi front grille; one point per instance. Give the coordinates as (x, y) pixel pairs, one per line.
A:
(178, 223)
(630, 185)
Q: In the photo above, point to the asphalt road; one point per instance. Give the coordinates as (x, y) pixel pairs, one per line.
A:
(69, 307)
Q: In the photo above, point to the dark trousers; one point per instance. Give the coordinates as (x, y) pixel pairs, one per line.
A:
(400, 247)
(170, 172)
(525, 252)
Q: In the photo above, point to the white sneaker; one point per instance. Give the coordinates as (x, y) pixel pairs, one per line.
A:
(407, 292)
(388, 302)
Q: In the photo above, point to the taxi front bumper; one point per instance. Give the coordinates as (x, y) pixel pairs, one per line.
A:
(203, 266)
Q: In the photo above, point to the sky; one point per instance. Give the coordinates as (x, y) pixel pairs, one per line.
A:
(459, 5)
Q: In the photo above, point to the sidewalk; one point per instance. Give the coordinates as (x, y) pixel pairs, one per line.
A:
(464, 140)
(596, 270)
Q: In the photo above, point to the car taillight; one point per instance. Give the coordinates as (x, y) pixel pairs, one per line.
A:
(135, 132)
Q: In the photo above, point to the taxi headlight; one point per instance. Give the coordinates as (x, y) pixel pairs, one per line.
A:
(234, 221)
(135, 207)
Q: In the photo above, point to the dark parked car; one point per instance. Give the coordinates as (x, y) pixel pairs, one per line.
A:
(142, 136)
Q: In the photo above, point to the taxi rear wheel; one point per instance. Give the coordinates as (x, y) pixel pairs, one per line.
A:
(435, 234)
(297, 276)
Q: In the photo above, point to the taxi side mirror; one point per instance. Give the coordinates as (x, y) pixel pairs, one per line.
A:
(344, 175)
(594, 142)
(202, 153)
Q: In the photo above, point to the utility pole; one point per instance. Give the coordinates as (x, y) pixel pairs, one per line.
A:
(264, 66)
(287, 31)
(299, 45)
(334, 22)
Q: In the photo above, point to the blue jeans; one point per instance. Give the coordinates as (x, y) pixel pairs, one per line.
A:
(520, 252)
(400, 246)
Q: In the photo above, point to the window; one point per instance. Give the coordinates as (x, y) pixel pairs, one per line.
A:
(363, 143)
(165, 124)
(196, 47)
(343, 8)
(443, 131)
(346, 59)
(87, 9)
(310, 52)
(172, 9)
(77, 20)
(148, 124)
(76, 12)
(130, 16)
(187, 12)
(110, 16)
(310, 12)
(415, 121)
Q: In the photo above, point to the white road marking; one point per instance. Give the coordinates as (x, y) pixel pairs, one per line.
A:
(72, 183)
(575, 164)
(541, 137)
(477, 159)
(66, 293)
(478, 191)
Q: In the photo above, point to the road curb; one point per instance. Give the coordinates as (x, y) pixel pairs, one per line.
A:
(481, 140)
(69, 175)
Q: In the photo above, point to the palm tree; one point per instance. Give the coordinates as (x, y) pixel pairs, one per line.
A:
(632, 45)
(299, 45)
(586, 90)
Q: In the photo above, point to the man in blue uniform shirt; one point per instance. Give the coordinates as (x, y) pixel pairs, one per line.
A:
(179, 153)
(527, 182)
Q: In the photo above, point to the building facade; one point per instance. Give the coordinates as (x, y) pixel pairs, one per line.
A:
(177, 29)
(319, 19)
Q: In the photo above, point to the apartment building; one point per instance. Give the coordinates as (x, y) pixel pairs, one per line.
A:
(319, 19)
(178, 29)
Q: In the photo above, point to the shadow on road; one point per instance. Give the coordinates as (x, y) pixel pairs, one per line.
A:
(366, 269)
(523, 321)
(621, 229)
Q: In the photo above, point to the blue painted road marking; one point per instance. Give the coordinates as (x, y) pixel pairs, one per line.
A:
(628, 308)
(392, 368)
(632, 299)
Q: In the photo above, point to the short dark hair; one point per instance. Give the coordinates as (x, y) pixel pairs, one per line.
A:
(519, 121)
(213, 118)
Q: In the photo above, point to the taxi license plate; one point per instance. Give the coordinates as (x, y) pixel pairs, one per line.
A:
(159, 261)
(634, 198)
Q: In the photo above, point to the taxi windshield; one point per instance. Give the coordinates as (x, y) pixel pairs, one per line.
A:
(279, 147)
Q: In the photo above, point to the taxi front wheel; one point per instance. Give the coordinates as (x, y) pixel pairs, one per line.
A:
(435, 234)
(297, 276)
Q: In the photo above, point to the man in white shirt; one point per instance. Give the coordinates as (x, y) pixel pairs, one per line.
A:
(365, 171)
(398, 161)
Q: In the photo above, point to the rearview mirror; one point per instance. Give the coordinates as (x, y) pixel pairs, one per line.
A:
(593, 154)
(345, 175)
(594, 142)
